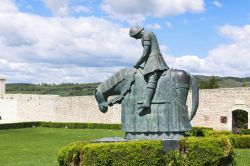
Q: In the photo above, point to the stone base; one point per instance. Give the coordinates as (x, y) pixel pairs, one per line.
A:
(170, 144)
(154, 135)
(110, 139)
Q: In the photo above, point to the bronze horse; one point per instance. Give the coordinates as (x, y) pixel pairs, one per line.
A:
(168, 116)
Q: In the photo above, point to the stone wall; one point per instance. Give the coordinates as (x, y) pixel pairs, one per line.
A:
(214, 104)
(56, 109)
(218, 103)
(2, 87)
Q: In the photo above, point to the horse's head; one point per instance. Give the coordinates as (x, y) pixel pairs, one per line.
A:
(101, 100)
(117, 85)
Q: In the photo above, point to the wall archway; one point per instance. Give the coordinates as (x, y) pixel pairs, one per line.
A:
(239, 120)
(233, 113)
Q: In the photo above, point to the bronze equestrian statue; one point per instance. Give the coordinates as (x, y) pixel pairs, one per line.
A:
(153, 98)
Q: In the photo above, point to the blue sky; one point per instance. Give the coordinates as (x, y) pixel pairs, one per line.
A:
(57, 41)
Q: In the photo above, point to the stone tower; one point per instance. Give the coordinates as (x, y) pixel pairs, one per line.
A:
(2, 86)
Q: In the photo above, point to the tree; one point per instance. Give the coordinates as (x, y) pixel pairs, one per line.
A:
(212, 83)
(209, 84)
(244, 83)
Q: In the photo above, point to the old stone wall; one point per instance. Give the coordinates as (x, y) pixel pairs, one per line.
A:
(2, 87)
(56, 109)
(215, 104)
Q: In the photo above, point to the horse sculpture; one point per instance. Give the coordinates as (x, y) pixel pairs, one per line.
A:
(168, 117)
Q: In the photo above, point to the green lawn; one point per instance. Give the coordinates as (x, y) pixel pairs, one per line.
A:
(242, 157)
(39, 146)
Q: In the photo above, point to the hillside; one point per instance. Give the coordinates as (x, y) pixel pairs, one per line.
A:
(88, 88)
(60, 89)
(226, 82)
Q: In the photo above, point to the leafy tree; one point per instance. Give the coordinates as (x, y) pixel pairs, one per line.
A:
(212, 83)
(244, 83)
(209, 84)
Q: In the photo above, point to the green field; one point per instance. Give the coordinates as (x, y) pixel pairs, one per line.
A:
(39, 146)
(242, 157)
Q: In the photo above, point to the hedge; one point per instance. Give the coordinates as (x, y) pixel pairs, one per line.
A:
(245, 131)
(193, 152)
(240, 141)
(59, 125)
(81, 125)
(71, 154)
(198, 131)
(217, 133)
(19, 125)
(207, 151)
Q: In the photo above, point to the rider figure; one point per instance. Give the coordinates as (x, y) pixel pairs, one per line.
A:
(154, 62)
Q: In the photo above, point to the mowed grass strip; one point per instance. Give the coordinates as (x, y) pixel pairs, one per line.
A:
(242, 157)
(39, 146)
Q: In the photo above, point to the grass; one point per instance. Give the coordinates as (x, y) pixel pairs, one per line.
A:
(242, 157)
(39, 146)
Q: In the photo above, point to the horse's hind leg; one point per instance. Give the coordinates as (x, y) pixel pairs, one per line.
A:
(182, 85)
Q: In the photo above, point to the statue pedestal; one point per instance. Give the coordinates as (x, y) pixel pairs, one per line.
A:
(170, 144)
(109, 139)
(154, 135)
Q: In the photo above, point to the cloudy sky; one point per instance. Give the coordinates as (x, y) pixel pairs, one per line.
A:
(55, 41)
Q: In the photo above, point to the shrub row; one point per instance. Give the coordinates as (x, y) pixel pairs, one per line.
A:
(207, 151)
(217, 133)
(198, 131)
(59, 125)
(237, 140)
(240, 141)
(19, 125)
(80, 125)
(245, 131)
(193, 151)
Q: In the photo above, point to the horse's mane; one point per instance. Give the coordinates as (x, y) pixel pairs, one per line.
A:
(116, 78)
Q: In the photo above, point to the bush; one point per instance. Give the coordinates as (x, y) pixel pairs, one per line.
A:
(19, 125)
(60, 125)
(207, 151)
(122, 154)
(240, 141)
(193, 152)
(71, 155)
(245, 131)
(217, 133)
(198, 131)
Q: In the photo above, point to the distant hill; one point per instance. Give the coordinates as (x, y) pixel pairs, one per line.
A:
(65, 89)
(68, 89)
(226, 82)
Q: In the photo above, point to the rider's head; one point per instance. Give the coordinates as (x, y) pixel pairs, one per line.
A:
(135, 32)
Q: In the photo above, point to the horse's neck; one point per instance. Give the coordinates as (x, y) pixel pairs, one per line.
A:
(114, 81)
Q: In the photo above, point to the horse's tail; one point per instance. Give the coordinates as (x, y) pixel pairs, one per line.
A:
(195, 96)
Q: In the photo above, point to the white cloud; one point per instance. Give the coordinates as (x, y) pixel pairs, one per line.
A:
(225, 60)
(81, 9)
(64, 8)
(169, 25)
(135, 12)
(217, 4)
(37, 48)
(58, 7)
(52, 73)
(7, 6)
(153, 26)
